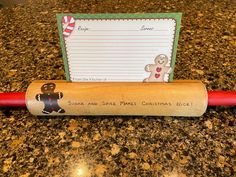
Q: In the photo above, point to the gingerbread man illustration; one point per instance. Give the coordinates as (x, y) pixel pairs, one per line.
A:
(159, 71)
(50, 98)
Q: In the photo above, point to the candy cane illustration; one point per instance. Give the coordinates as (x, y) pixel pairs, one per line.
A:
(70, 24)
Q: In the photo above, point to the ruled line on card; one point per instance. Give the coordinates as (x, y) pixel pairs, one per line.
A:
(133, 61)
(90, 74)
(76, 57)
(110, 70)
(115, 46)
(117, 35)
(97, 39)
(115, 42)
(101, 61)
(117, 50)
(126, 30)
(109, 65)
(141, 71)
(109, 79)
(92, 67)
(113, 53)
(105, 64)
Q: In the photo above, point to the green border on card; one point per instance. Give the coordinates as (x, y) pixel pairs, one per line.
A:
(176, 16)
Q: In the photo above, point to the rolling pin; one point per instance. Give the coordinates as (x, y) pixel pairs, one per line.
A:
(178, 98)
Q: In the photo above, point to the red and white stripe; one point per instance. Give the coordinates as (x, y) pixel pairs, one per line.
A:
(70, 24)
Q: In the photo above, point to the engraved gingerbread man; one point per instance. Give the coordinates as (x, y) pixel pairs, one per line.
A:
(50, 98)
(159, 71)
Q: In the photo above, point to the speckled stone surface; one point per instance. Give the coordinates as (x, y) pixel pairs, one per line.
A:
(118, 146)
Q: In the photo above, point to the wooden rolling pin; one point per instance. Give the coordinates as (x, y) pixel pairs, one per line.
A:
(178, 98)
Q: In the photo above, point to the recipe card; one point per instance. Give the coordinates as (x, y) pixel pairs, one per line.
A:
(119, 47)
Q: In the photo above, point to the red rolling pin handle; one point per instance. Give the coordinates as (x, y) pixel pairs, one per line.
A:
(14, 99)
(215, 98)
(221, 98)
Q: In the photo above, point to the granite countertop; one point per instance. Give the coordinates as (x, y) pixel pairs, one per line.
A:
(115, 145)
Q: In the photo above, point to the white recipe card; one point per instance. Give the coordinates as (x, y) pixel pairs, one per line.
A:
(119, 47)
